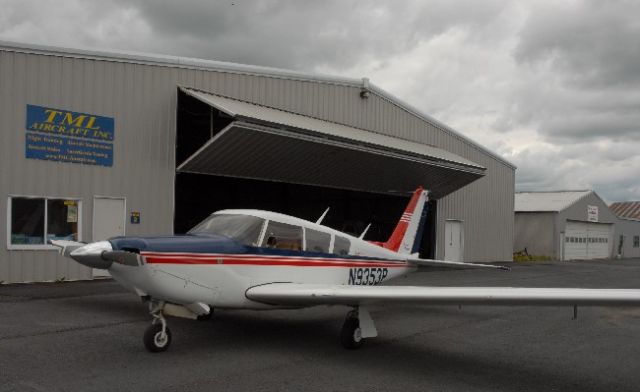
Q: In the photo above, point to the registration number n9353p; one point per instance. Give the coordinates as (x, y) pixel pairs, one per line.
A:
(367, 276)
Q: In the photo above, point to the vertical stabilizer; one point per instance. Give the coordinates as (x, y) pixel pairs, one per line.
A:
(405, 236)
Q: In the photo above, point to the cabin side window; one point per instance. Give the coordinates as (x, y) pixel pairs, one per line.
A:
(317, 241)
(282, 236)
(341, 246)
(245, 229)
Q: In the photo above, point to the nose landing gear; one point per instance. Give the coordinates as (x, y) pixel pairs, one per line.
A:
(157, 337)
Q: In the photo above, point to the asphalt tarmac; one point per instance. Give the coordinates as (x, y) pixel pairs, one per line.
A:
(87, 336)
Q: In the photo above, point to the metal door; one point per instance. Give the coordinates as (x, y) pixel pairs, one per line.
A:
(108, 221)
(454, 240)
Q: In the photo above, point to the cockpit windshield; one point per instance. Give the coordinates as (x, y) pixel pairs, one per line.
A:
(243, 228)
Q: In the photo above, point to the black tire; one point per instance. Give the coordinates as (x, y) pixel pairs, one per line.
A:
(350, 336)
(205, 317)
(152, 338)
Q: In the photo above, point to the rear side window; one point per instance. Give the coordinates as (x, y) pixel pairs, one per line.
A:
(282, 236)
(341, 246)
(317, 241)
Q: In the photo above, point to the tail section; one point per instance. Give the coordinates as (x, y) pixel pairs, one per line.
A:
(406, 236)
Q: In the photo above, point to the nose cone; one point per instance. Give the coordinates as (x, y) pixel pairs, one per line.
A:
(91, 255)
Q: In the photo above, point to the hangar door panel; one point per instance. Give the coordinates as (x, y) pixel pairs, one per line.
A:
(269, 144)
(587, 240)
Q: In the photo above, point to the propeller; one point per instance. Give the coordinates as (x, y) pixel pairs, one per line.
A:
(99, 254)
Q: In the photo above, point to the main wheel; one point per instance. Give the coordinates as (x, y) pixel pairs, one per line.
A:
(206, 317)
(154, 340)
(351, 335)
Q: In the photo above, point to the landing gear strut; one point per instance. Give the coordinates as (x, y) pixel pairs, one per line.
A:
(157, 337)
(351, 334)
(357, 326)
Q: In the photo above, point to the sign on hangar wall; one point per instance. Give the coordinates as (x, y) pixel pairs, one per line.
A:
(65, 136)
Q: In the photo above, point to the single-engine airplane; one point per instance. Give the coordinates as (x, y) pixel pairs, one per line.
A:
(253, 259)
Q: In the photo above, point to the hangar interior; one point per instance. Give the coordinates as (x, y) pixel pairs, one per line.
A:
(197, 194)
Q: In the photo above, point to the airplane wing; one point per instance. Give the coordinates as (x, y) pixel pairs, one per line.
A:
(452, 264)
(294, 294)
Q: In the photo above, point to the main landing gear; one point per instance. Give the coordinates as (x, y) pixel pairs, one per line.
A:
(357, 326)
(157, 337)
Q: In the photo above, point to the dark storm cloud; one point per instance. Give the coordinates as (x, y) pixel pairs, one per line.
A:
(593, 125)
(588, 58)
(552, 85)
(594, 43)
(301, 34)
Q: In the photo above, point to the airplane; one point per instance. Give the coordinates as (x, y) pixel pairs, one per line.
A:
(254, 259)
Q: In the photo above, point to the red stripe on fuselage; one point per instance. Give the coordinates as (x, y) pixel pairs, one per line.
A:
(195, 259)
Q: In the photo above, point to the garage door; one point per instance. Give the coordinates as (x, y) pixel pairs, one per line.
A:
(587, 240)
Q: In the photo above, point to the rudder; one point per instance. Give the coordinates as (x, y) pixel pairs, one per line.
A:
(404, 237)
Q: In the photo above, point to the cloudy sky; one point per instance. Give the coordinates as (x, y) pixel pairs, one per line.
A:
(553, 86)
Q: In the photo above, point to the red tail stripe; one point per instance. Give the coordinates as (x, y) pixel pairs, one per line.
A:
(398, 234)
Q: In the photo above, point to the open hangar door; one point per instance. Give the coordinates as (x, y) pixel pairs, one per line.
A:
(235, 154)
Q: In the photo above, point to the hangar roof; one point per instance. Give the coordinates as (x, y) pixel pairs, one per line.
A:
(626, 209)
(554, 201)
(276, 145)
(183, 62)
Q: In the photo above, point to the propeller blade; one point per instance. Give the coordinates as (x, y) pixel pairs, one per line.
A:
(66, 247)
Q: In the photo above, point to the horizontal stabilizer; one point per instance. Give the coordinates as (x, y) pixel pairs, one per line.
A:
(293, 294)
(453, 264)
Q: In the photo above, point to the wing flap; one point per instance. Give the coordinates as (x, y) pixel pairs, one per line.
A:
(293, 294)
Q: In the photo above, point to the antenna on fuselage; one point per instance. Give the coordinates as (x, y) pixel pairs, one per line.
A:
(365, 231)
(323, 215)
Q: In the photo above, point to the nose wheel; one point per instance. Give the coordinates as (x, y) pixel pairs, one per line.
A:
(157, 337)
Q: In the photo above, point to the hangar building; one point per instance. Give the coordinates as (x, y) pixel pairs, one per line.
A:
(628, 228)
(97, 144)
(564, 225)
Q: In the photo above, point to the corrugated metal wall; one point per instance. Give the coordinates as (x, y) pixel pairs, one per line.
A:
(142, 99)
(578, 212)
(629, 229)
(535, 232)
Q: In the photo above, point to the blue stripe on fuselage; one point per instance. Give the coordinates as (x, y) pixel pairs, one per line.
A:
(216, 244)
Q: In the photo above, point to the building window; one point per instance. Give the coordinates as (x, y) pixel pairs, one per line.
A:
(636, 241)
(34, 221)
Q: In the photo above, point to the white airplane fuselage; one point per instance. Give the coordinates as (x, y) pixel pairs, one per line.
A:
(252, 259)
(220, 279)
